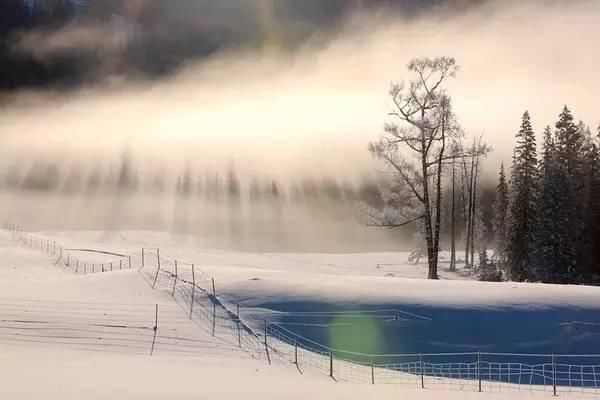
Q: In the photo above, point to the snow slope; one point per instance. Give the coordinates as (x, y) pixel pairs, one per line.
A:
(549, 318)
(188, 361)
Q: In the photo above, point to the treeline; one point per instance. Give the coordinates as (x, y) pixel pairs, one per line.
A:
(221, 185)
(547, 212)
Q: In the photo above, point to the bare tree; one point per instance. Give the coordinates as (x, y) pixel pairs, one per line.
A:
(455, 150)
(423, 124)
(470, 181)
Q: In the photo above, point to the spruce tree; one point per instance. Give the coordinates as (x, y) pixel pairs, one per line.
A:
(555, 256)
(591, 228)
(571, 148)
(548, 149)
(570, 145)
(500, 216)
(487, 269)
(522, 207)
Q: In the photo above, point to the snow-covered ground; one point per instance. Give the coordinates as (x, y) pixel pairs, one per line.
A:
(39, 299)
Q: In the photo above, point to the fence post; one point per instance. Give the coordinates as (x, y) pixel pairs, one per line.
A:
(77, 266)
(157, 268)
(54, 248)
(193, 291)
(68, 259)
(554, 373)
(102, 267)
(175, 282)
(84, 268)
(129, 258)
(238, 326)
(111, 266)
(155, 329)
(372, 372)
(296, 352)
(479, 369)
(266, 344)
(331, 363)
(121, 264)
(213, 287)
(422, 371)
(143, 264)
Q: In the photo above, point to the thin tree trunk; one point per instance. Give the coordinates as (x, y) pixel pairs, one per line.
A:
(464, 191)
(470, 214)
(453, 220)
(438, 204)
(473, 213)
(432, 274)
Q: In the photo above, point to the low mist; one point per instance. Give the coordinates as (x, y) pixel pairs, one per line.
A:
(189, 153)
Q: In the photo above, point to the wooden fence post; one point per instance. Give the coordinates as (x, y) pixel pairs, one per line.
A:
(372, 372)
(175, 281)
(266, 344)
(422, 371)
(157, 268)
(554, 374)
(193, 291)
(155, 329)
(296, 352)
(331, 363)
(479, 369)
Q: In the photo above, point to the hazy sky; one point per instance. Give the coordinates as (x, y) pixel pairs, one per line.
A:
(316, 110)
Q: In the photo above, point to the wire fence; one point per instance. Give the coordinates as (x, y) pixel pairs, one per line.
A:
(263, 335)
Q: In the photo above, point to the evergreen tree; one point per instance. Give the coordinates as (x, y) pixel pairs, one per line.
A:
(555, 256)
(185, 183)
(501, 215)
(548, 149)
(275, 192)
(233, 184)
(522, 207)
(591, 228)
(572, 143)
(487, 269)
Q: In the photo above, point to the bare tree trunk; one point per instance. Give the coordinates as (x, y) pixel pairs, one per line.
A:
(431, 259)
(469, 202)
(453, 220)
(473, 213)
(438, 203)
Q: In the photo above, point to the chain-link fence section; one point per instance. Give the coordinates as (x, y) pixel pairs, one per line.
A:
(262, 335)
